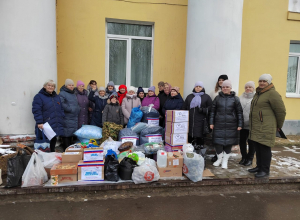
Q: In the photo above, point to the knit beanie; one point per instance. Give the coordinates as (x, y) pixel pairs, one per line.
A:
(80, 83)
(152, 88)
(140, 89)
(227, 83)
(122, 87)
(224, 77)
(199, 83)
(161, 83)
(250, 84)
(111, 83)
(113, 96)
(266, 77)
(176, 88)
(69, 82)
(101, 88)
(131, 88)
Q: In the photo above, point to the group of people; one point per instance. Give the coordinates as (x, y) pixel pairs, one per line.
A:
(254, 117)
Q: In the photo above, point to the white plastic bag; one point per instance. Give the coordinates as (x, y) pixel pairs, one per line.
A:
(110, 144)
(193, 166)
(141, 156)
(34, 174)
(145, 174)
(49, 159)
(187, 148)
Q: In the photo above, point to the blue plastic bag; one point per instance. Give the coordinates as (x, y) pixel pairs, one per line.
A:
(89, 132)
(111, 152)
(135, 117)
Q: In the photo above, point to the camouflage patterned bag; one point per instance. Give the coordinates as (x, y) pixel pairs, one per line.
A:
(110, 129)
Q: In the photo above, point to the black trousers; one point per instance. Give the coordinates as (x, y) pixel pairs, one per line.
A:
(221, 148)
(244, 134)
(263, 156)
(67, 141)
(196, 141)
(52, 144)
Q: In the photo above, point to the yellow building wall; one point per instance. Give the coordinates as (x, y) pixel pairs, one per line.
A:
(81, 37)
(266, 35)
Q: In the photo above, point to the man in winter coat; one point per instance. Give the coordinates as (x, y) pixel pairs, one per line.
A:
(267, 115)
(100, 101)
(46, 107)
(113, 111)
(131, 101)
(71, 108)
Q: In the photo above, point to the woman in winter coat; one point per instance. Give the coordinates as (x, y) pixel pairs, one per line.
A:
(113, 111)
(267, 114)
(91, 86)
(141, 93)
(110, 88)
(71, 108)
(199, 105)
(175, 102)
(131, 101)
(46, 107)
(151, 98)
(226, 120)
(100, 101)
(84, 104)
(213, 94)
(122, 93)
(245, 100)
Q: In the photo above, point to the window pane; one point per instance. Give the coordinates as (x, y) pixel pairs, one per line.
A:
(295, 48)
(129, 29)
(141, 63)
(117, 61)
(292, 75)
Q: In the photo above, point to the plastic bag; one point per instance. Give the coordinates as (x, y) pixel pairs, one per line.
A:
(139, 127)
(135, 117)
(110, 144)
(187, 148)
(89, 132)
(111, 152)
(141, 157)
(193, 166)
(127, 134)
(15, 169)
(49, 159)
(123, 154)
(152, 148)
(145, 173)
(34, 174)
(152, 134)
(126, 168)
(111, 167)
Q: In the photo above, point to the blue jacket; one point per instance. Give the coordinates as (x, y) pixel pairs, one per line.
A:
(98, 110)
(47, 108)
(71, 108)
(173, 103)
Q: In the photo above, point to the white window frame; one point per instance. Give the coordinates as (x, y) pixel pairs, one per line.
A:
(128, 54)
(294, 6)
(297, 93)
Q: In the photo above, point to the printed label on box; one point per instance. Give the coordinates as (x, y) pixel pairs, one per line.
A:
(93, 156)
(74, 149)
(91, 173)
(129, 139)
(181, 116)
(157, 138)
(153, 121)
(179, 138)
(71, 153)
(180, 127)
(175, 162)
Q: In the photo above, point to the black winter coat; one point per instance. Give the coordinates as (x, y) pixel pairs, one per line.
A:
(197, 115)
(163, 97)
(98, 110)
(173, 103)
(226, 116)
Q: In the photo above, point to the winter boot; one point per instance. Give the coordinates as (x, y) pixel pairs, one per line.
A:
(225, 160)
(219, 161)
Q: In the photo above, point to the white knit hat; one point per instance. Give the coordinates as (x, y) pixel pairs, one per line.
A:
(266, 77)
(250, 84)
(227, 83)
(131, 88)
(69, 82)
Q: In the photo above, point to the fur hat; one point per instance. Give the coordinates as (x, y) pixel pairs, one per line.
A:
(131, 88)
(266, 77)
(69, 82)
(227, 83)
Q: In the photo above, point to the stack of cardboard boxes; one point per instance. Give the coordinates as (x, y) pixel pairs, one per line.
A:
(176, 129)
(174, 165)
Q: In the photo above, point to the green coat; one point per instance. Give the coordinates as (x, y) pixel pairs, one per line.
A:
(267, 113)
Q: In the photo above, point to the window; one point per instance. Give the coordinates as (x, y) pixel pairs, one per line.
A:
(293, 78)
(294, 5)
(129, 54)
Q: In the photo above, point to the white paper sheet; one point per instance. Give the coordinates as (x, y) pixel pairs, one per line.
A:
(48, 131)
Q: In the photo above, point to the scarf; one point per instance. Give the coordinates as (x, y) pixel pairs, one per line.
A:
(196, 101)
(103, 97)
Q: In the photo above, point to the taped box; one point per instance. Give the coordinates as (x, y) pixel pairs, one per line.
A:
(176, 139)
(170, 172)
(73, 149)
(173, 148)
(177, 116)
(90, 171)
(174, 160)
(177, 127)
(71, 157)
(93, 154)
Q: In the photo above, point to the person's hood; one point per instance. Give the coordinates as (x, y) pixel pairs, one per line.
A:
(64, 88)
(43, 91)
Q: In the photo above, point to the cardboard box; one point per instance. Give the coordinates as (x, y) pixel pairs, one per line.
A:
(177, 115)
(170, 172)
(177, 127)
(176, 139)
(93, 154)
(67, 178)
(64, 169)
(174, 160)
(173, 148)
(71, 149)
(71, 157)
(93, 171)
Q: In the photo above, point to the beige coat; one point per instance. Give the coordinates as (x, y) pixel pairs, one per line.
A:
(128, 104)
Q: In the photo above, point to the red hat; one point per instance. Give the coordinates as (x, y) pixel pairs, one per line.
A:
(122, 87)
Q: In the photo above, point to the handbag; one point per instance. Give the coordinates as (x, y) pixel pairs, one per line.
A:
(206, 128)
(41, 144)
